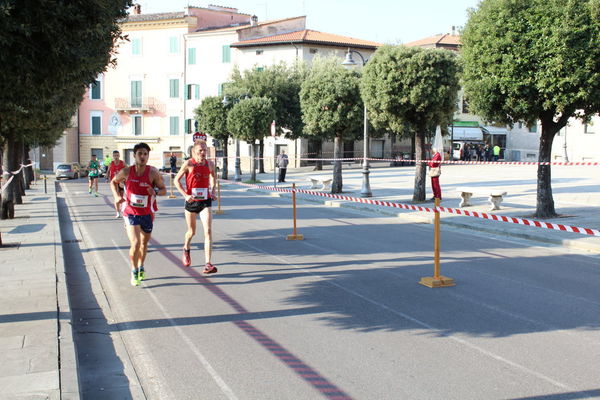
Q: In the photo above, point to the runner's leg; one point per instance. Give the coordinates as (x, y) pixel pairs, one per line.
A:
(190, 219)
(133, 233)
(206, 218)
(144, 239)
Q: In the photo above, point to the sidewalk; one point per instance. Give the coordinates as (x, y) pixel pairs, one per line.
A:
(576, 192)
(38, 354)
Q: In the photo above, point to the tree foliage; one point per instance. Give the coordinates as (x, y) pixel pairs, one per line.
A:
(280, 83)
(49, 51)
(332, 108)
(410, 91)
(211, 115)
(250, 120)
(528, 60)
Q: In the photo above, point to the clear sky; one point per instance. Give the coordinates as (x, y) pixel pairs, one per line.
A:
(384, 21)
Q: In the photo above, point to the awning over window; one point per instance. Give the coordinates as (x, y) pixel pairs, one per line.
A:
(466, 133)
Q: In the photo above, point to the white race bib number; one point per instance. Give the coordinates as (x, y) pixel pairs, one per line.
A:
(199, 193)
(139, 201)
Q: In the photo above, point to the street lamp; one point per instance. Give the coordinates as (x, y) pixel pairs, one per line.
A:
(238, 172)
(365, 191)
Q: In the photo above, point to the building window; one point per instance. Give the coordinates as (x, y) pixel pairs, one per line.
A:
(137, 125)
(587, 128)
(226, 53)
(174, 125)
(313, 51)
(259, 52)
(173, 45)
(532, 128)
(96, 89)
(174, 88)
(96, 122)
(136, 94)
(221, 85)
(136, 46)
(192, 56)
(260, 69)
(188, 126)
(197, 92)
(189, 89)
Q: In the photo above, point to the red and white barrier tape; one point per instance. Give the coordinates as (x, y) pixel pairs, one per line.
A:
(500, 218)
(560, 163)
(13, 173)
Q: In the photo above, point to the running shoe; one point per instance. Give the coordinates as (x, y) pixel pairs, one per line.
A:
(118, 215)
(209, 269)
(141, 274)
(96, 194)
(90, 190)
(187, 260)
(134, 278)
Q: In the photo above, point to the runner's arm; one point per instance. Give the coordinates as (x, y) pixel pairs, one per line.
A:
(158, 183)
(178, 177)
(213, 179)
(114, 186)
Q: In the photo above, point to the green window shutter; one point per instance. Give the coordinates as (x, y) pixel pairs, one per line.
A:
(197, 92)
(174, 88)
(96, 90)
(137, 125)
(136, 47)
(173, 44)
(221, 89)
(96, 125)
(226, 53)
(192, 56)
(136, 93)
(174, 125)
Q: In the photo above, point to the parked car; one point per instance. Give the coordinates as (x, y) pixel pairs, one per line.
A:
(69, 171)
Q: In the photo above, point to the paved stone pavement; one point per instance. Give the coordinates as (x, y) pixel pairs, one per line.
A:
(39, 359)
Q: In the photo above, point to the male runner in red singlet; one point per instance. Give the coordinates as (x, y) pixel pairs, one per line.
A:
(113, 169)
(142, 183)
(200, 185)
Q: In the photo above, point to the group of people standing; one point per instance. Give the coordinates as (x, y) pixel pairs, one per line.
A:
(480, 152)
(135, 188)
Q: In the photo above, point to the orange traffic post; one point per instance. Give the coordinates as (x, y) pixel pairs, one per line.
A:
(171, 196)
(218, 211)
(294, 236)
(436, 280)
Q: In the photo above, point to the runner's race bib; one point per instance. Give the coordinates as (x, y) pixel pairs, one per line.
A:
(199, 193)
(138, 200)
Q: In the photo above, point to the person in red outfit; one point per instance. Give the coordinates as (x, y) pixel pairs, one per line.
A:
(200, 182)
(142, 183)
(114, 167)
(435, 170)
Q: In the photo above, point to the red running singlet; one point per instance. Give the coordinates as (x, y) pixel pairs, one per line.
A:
(138, 201)
(114, 169)
(197, 181)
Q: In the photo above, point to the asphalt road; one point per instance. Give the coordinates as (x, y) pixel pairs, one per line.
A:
(339, 315)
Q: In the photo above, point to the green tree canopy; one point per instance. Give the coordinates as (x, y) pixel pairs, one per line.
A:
(211, 115)
(332, 108)
(528, 60)
(280, 83)
(411, 90)
(250, 120)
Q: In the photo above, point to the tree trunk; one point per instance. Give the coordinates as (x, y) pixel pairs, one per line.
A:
(261, 154)
(545, 201)
(336, 186)
(252, 163)
(225, 163)
(9, 163)
(319, 162)
(420, 168)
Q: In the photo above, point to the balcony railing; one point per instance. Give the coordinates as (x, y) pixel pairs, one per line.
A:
(135, 105)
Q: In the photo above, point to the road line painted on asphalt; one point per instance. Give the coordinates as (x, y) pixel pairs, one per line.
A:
(421, 323)
(303, 370)
(207, 366)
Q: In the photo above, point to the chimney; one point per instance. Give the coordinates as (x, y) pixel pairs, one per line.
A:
(254, 21)
(137, 9)
(453, 30)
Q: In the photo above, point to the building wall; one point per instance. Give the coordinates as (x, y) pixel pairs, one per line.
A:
(582, 143)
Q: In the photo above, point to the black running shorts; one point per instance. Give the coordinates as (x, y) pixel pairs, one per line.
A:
(197, 206)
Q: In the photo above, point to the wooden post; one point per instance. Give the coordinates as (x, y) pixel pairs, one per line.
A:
(436, 280)
(218, 211)
(294, 235)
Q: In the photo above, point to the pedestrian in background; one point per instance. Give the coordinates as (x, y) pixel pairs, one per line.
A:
(496, 152)
(173, 163)
(435, 165)
(282, 163)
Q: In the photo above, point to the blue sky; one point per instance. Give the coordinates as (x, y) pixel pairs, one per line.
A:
(385, 21)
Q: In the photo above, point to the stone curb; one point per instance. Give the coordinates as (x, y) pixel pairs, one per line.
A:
(68, 372)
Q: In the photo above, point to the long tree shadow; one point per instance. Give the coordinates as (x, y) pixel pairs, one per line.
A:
(101, 372)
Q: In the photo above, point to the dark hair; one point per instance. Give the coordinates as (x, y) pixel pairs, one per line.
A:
(141, 145)
(115, 151)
